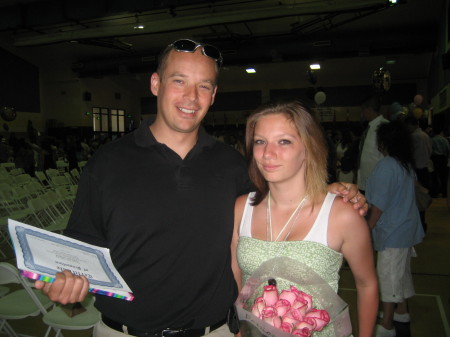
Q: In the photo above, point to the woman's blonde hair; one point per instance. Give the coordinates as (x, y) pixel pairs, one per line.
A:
(312, 136)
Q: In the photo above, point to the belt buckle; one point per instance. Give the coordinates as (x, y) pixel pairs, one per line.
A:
(172, 333)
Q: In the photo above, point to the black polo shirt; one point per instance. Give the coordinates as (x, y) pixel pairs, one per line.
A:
(168, 223)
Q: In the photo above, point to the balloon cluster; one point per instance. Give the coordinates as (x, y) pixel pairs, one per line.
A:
(318, 94)
(381, 79)
(320, 97)
(415, 109)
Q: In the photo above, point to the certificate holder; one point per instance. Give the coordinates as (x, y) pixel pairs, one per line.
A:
(41, 254)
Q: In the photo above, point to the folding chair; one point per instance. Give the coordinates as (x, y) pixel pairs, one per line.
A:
(34, 189)
(21, 303)
(45, 216)
(21, 195)
(31, 302)
(73, 190)
(8, 166)
(42, 178)
(61, 208)
(81, 164)
(75, 175)
(69, 178)
(11, 205)
(65, 196)
(58, 181)
(51, 173)
(21, 179)
(59, 320)
(4, 290)
(16, 171)
(6, 247)
(7, 200)
(62, 166)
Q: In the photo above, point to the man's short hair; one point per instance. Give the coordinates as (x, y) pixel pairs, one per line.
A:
(372, 101)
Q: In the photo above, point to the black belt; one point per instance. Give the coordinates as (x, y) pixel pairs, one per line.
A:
(184, 332)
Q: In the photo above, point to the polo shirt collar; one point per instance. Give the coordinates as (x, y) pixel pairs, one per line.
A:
(144, 137)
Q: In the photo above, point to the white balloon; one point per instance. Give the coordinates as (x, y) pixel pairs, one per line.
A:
(320, 97)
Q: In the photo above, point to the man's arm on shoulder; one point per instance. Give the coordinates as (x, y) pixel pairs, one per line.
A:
(350, 193)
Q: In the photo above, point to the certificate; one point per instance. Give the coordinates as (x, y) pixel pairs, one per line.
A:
(41, 254)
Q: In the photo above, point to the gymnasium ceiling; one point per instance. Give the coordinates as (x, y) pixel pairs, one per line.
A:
(99, 38)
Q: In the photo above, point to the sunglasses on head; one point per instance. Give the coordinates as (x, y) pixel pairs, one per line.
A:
(189, 46)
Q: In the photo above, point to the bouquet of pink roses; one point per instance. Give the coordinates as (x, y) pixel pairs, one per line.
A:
(291, 311)
(305, 306)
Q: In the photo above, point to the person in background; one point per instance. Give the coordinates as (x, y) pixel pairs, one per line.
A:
(440, 156)
(6, 152)
(161, 199)
(395, 223)
(347, 156)
(24, 157)
(369, 154)
(291, 214)
(422, 149)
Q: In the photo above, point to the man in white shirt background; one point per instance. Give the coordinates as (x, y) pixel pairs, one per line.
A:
(369, 154)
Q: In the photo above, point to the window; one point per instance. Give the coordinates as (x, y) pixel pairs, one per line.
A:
(105, 120)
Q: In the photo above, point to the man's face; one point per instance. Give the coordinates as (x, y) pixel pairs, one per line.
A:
(185, 91)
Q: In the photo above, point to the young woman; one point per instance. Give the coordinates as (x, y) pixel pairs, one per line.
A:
(291, 214)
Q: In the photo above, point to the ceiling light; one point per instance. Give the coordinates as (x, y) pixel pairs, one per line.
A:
(391, 61)
(139, 27)
(250, 70)
(314, 66)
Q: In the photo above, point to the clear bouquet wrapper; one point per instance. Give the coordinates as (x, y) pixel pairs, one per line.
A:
(286, 272)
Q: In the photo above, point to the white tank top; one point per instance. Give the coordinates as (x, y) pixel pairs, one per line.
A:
(318, 232)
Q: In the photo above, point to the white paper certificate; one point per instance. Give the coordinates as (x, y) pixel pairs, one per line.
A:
(45, 253)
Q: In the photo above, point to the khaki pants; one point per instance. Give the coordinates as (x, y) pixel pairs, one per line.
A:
(102, 330)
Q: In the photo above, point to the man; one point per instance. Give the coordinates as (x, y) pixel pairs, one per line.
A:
(369, 153)
(440, 156)
(422, 150)
(162, 200)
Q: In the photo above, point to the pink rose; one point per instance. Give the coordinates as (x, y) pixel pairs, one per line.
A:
(287, 327)
(307, 322)
(258, 307)
(300, 306)
(289, 318)
(270, 295)
(305, 297)
(270, 315)
(294, 290)
(320, 316)
(298, 314)
(282, 306)
(305, 332)
(288, 295)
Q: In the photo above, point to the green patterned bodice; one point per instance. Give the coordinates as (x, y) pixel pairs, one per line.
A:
(326, 262)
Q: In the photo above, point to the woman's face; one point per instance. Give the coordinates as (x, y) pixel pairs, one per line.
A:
(278, 149)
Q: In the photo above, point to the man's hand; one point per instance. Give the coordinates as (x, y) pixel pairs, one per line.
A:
(67, 288)
(350, 192)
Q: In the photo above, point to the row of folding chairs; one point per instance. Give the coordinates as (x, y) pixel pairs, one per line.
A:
(25, 302)
(7, 166)
(34, 205)
(54, 178)
(50, 178)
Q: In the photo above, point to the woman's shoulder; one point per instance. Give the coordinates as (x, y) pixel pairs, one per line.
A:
(344, 223)
(344, 213)
(243, 199)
